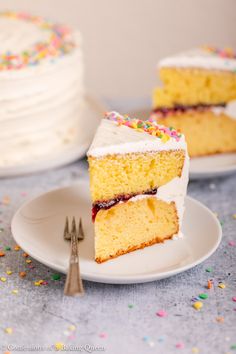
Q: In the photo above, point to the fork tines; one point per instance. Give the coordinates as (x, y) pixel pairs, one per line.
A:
(78, 231)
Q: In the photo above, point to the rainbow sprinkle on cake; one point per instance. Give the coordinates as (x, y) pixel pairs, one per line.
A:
(58, 43)
(148, 126)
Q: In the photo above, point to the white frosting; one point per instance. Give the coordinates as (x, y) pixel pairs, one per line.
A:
(199, 58)
(229, 110)
(113, 139)
(39, 105)
(174, 191)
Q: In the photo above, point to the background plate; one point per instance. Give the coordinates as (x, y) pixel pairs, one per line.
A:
(38, 227)
(92, 112)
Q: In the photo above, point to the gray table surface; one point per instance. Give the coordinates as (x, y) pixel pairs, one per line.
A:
(118, 318)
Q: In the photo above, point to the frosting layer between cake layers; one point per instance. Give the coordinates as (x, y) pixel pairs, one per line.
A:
(41, 88)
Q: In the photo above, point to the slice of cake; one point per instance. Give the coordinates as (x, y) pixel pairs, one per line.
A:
(138, 180)
(198, 98)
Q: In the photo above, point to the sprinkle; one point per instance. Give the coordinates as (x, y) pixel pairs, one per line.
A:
(6, 199)
(161, 339)
(161, 313)
(15, 291)
(25, 255)
(7, 248)
(103, 335)
(130, 306)
(3, 279)
(58, 42)
(220, 319)
(9, 272)
(221, 223)
(208, 270)
(180, 345)
(2, 254)
(150, 126)
(17, 248)
(59, 346)
(195, 350)
(22, 274)
(56, 277)
(8, 330)
(146, 338)
(221, 285)
(28, 261)
(203, 296)
(72, 328)
(234, 216)
(234, 298)
(233, 346)
(232, 243)
(198, 305)
(39, 282)
(209, 284)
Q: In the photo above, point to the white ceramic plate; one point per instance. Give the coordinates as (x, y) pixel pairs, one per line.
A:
(202, 167)
(38, 227)
(93, 111)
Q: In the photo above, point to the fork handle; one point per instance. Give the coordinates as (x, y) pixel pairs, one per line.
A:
(74, 285)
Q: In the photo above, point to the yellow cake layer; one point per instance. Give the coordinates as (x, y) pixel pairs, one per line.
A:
(116, 175)
(205, 132)
(132, 225)
(194, 86)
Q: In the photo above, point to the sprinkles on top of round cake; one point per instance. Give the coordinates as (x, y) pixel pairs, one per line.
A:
(224, 52)
(58, 43)
(148, 126)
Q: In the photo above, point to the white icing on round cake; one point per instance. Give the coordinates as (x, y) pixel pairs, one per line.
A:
(40, 101)
(199, 58)
(113, 139)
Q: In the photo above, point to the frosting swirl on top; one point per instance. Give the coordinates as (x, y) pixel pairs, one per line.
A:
(31, 40)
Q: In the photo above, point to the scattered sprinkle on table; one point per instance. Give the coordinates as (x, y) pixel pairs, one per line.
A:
(7, 248)
(59, 346)
(234, 298)
(180, 345)
(15, 291)
(17, 248)
(220, 319)
(103, 335)
(28, 261)
(195, 350)
(161, 313)
(22, 274)
(130, 306)
(8, 330)
(197, 305)
(3, 279)
(234, 216)
(56, 277)
(203, 296)
(72, 328)
(209, 270)
(221, 285)
(2, 254)
(209, 284)
(9, 272)
(232, 243)
(25, 255)
(233, 346)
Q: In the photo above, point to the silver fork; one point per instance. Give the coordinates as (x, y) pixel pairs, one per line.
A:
(73, 285)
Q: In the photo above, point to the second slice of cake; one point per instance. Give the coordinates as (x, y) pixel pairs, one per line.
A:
(138, 180)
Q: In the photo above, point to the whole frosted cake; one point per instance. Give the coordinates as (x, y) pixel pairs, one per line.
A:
(41, 88)
(138, 181)
(198, 98)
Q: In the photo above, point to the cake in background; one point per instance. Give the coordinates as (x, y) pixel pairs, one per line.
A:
(198, 98)
(41, 88)
(138, 181)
